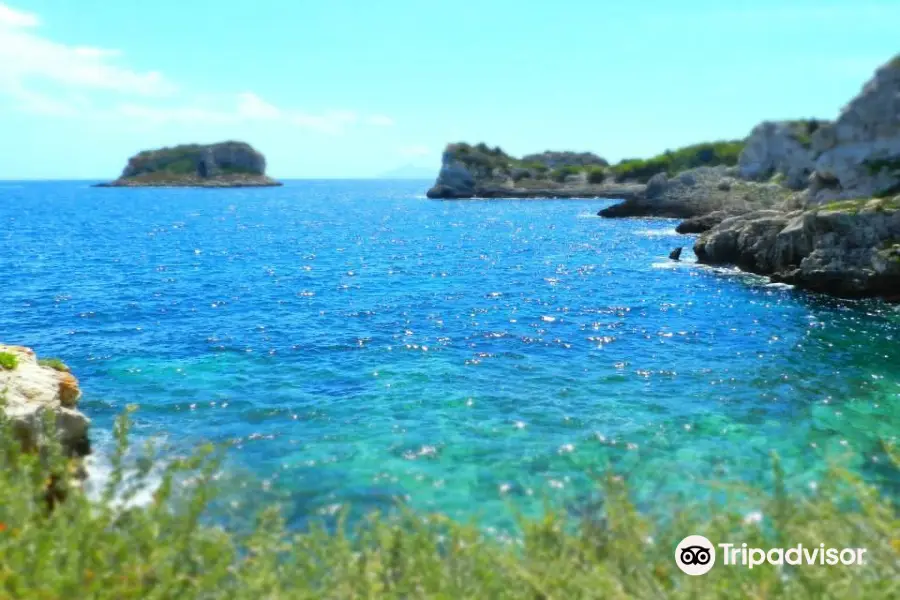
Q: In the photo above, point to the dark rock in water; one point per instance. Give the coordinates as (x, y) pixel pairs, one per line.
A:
(676, 253)
(228, 164)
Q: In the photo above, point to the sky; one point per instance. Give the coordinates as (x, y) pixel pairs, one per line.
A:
(354, 88)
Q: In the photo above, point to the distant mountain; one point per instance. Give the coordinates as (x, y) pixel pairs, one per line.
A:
(410, 172)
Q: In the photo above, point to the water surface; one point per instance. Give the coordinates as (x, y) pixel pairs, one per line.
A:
(356, 343)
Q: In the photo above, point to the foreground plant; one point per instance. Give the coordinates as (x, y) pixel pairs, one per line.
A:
(108, 548)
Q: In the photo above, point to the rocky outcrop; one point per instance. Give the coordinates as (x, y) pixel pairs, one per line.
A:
(698, 192)
(859, 154)
(703, 222)
(482, 172)
(782, 148)
(228, 164)
(30, 390)
(848, 248)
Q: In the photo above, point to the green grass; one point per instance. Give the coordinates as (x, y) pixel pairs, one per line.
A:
(54, 363)
(853, 206)
(85, 548)
(8, 361)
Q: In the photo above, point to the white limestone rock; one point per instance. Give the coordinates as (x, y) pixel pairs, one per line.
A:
(30, 390)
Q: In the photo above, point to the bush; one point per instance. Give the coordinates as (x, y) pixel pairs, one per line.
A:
(83, 548)
(596, 175)
(54, 363)
(8, 361)
(560, 174)
(670, 162)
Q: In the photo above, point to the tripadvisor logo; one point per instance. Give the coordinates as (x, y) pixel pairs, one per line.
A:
(696, 555)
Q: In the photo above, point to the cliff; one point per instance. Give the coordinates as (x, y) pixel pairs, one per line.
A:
(31, 389)
(848, 248)
(227, 164)
(482, 172)
(841, 233)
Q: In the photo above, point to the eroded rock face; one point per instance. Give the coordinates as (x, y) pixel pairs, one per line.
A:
(782, 147)
(859, 154)
(698, 192)
(850, 248)
(30, 391)
(455, 180)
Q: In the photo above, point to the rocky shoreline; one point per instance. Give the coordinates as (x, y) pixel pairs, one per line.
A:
(813, 203)
(33, 389)
(222, 165)
(194, 182)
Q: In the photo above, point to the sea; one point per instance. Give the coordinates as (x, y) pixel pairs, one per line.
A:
(352, 345)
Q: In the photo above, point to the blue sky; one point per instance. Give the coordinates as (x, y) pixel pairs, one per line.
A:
(343, 88)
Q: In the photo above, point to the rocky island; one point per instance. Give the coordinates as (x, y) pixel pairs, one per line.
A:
(226, 164)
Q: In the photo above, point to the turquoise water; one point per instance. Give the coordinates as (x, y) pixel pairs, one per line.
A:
(356, 344)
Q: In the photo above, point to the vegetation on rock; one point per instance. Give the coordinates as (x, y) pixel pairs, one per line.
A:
(596, 175)
(56, 542)
(802, 130)
(671, 162)
(54, 363)
(8, 361)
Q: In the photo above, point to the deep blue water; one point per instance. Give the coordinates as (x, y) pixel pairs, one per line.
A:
(356, 343)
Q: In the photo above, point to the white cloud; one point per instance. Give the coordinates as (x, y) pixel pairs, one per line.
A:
(333, 122)
(415, 151)
(28, 60)
(380, 120)
(11, 17)
(41, 76)
(253, 107)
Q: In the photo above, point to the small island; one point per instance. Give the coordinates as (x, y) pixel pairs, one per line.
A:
(223, 165)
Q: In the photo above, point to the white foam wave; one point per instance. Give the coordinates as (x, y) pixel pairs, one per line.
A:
(651, 233)
(100, 472)
(674, 264)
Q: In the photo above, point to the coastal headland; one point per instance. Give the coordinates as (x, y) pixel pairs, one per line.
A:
(810, 202)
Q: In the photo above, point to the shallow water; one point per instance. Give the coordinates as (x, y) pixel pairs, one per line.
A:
(356, 343)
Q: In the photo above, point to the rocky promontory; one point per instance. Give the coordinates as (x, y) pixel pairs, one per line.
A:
(706, 193)
(482, 172)
(847, 248)
(31, 389)
(226, 164)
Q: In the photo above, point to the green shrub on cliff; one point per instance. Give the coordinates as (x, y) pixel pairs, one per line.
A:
(596, 175)
(54, 363)
(562, 173)
(709, 154)
(107, 548)
(8, 361)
